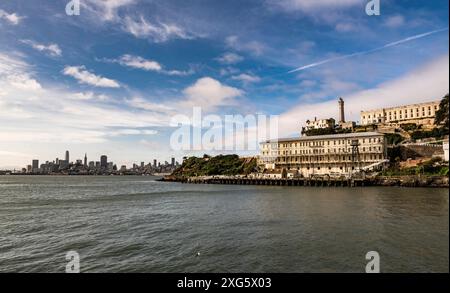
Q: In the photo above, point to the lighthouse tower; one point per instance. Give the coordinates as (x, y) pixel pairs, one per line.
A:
(341, 111)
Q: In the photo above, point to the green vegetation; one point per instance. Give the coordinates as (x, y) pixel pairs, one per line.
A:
(441, 122)
(219, 165)
(325, 131)
(432, 167)
(442, 115)
(437, 133)
(394, 138)
(366, 128)
(410, 127)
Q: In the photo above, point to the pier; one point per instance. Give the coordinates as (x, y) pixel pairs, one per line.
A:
(403, 181)
(317, 182)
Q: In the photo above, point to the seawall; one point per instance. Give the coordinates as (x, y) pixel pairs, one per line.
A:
(404, 181)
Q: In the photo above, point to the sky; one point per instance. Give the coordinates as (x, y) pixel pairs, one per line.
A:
(109, 81)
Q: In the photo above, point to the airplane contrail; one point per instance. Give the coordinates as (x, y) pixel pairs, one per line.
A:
(392, 44)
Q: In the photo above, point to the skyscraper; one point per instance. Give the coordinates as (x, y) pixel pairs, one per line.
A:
(85, 160)
(155, 163)
(173, 162)
(67, 157)
(35, 165)
(103, 162)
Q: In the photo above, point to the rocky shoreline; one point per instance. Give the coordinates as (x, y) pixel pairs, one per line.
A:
(401, 181)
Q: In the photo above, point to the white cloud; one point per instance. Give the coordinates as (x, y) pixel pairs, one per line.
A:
(118, 12)
(17, 74)
(209, 93)
(107, 9)
(308, 83)
(51, 49)
(394, 21)
(254, 47)
(313, 5)
(51, 118)
(230, 58)
(121, 132)
(141, 103)
(147, 65)
(11, 18)
(55, 116)
(90, 96)
(153, 145)
(179, 72)
(139, 63)
(246, 78)
(345, 27)
(229, 71)
(24, 81)
(83, 76)
(429, 82)
(157, 32)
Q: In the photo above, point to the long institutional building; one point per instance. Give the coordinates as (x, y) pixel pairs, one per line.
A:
(423, 114)
(341, 154)
(336, 154)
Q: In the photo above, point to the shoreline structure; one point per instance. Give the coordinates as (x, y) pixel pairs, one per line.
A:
(401, 181)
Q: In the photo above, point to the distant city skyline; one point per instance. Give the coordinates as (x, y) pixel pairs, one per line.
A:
(109, 80)
(103, 163)
(86, 160)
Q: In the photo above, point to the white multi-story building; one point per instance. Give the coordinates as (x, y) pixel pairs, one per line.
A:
(320, 124)
(423, 113)
(337, 154)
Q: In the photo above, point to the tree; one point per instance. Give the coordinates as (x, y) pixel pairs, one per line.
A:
(442, 114)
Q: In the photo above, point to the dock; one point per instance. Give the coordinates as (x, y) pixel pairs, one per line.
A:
(403, 181)
(317, 182)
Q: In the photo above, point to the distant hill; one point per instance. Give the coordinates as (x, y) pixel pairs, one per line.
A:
(219, 165)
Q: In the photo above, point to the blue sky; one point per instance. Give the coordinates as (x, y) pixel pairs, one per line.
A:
(109, 80)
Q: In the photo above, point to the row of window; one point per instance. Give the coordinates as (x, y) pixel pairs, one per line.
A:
(329, 159)
(317, 143)
(405, 112)
(322, 151)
